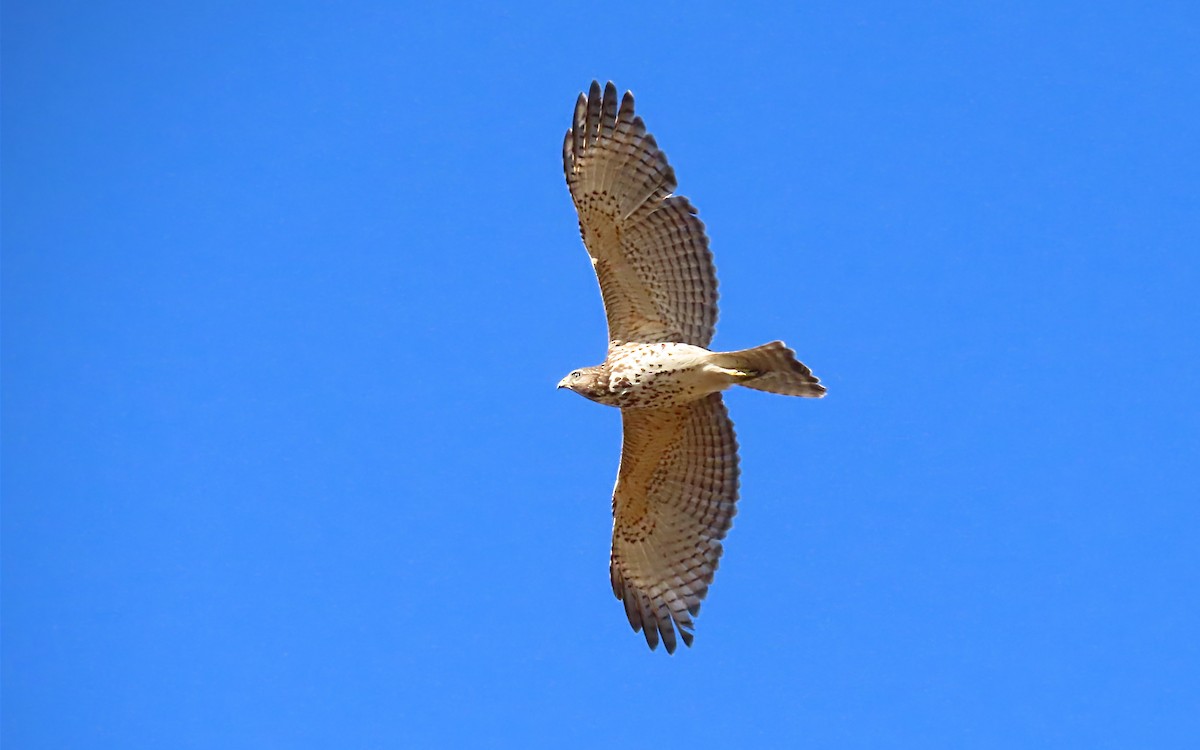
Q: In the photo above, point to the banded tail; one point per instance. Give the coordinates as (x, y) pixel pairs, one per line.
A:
(772, 368)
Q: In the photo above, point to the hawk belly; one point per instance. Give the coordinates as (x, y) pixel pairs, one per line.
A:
(664, 374)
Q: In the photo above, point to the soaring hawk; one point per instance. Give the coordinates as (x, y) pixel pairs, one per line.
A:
(678, 480)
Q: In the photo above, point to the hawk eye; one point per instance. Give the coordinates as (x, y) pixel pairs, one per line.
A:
(575, 375)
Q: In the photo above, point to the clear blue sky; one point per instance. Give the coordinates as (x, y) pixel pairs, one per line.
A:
(287, 288)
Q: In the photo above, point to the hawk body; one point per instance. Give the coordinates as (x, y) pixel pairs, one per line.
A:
(656, 375)
(677, 485)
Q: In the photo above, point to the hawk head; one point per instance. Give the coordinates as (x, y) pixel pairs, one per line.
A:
(589, 382)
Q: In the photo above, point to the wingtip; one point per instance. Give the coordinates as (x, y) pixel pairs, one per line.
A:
(608, 91)
(651, 633)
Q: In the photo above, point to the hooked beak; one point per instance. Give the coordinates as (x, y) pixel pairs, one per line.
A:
(563, 383)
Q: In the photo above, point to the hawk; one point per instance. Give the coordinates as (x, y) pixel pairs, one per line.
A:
(677, 484)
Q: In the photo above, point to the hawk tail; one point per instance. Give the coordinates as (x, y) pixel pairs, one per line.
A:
(772, 368)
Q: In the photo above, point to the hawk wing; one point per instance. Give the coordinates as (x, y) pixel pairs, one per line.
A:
(673, 503)
(648, 247)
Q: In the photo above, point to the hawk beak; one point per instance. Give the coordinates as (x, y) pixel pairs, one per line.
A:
(562, 383)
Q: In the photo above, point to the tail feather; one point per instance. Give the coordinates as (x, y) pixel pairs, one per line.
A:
(773, 368)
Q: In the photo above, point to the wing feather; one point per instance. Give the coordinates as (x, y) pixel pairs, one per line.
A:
(648, 246)
(675, 498)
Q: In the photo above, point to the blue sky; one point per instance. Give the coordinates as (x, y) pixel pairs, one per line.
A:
(287, 288)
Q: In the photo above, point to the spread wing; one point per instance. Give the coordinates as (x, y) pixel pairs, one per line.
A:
(648, 247)
(673, 503)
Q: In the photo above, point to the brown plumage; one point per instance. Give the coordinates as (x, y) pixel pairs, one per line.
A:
(677, 485)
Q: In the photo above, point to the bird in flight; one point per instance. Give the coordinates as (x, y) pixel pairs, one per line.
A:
(677, 484)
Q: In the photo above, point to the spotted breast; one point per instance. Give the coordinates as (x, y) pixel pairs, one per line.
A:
(662, 374)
